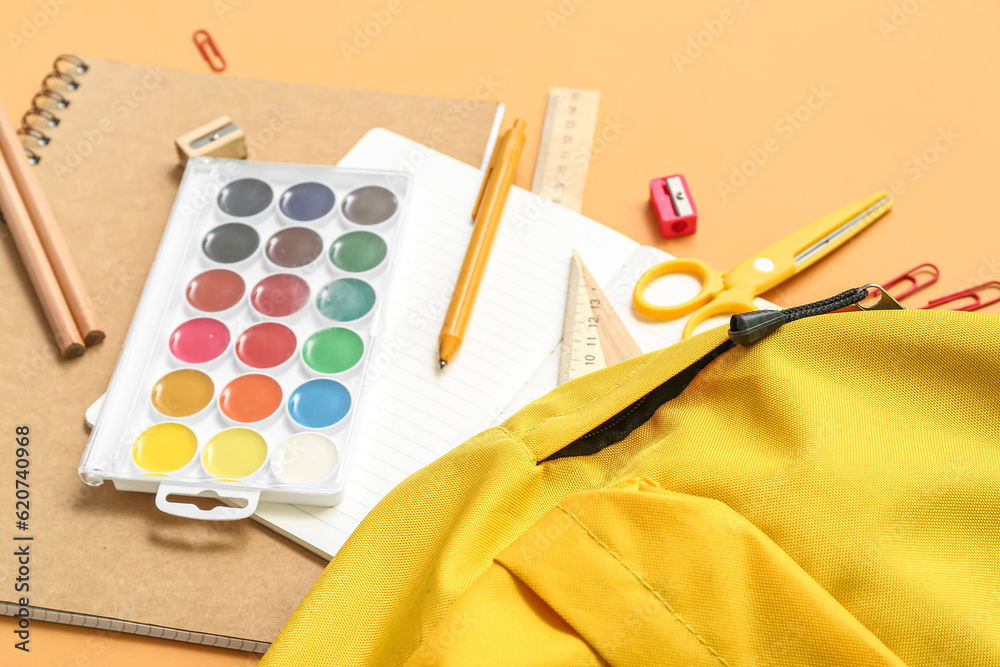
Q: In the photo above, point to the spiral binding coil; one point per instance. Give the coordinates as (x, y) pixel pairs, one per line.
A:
(69, 60)
(63, 70)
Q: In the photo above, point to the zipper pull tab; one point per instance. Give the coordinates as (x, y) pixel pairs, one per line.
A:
(885, 301)
(748, 328)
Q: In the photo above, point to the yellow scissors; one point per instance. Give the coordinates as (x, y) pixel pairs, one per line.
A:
(730, 292)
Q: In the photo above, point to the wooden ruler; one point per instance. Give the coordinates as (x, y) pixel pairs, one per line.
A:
(564, 154)
(593, 335)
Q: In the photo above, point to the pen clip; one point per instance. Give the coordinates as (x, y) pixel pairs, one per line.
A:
(482, 189)
(498, 151)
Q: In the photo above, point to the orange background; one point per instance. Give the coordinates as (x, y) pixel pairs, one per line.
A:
(698, 88)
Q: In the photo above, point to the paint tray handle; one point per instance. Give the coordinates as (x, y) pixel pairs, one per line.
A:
(232, 511)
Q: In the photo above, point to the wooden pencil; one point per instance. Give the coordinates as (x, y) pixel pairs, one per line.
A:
(36, 263)
(60, 260)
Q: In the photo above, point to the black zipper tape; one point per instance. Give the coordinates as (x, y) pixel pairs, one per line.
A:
(618, 427)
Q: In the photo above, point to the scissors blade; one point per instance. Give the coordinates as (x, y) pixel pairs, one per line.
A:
(800, 249)
(838, 228)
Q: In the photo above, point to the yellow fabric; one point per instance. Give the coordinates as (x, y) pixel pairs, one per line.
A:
(828, 496)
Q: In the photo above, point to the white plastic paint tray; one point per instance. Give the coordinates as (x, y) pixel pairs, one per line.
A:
(243, 370)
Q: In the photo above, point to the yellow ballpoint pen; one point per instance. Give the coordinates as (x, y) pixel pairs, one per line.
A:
(487, 212)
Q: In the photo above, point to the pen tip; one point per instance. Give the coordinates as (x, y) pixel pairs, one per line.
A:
(443, 363)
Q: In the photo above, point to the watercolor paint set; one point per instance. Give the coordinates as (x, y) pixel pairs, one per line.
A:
(243, 370)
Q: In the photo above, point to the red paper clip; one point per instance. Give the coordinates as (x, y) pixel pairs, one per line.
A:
(911, 275)
(972, 292)
(209, 51)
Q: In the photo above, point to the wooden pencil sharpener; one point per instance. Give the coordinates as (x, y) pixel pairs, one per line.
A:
(219, 138)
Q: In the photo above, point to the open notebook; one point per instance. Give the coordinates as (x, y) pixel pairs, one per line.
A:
(413, 413)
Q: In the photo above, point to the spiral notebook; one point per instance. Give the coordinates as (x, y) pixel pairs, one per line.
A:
(102, 133)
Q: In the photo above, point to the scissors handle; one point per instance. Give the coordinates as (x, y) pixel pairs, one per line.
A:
(711, 285)
(727, 302)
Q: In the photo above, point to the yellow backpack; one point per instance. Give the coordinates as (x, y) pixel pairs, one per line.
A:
(828, 495)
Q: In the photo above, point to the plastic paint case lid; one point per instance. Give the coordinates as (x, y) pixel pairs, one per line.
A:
(266, 345)
(319, 403)
(164, 447)
(345, 300)
(202, 329)
(305, 458)
(250, 398)
(245, 197)
(230, 243)
(333, 350)
(198, 341)
(306, 202)
(370, 205)
(293, 247)
(280, 295)
(182, 393)
(357, 252)
(234, 453)
(215, 290)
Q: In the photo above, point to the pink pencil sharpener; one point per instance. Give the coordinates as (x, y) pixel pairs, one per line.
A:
(674, 206)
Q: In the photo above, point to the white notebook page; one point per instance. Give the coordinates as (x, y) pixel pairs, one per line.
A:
(412, 412)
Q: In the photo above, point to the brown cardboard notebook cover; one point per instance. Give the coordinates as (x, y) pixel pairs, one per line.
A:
(111, 172)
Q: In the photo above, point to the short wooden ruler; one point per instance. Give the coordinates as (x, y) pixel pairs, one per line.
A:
(564, 154)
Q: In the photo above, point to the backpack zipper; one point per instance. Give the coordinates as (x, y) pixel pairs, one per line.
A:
(748, 328)
(744, 329)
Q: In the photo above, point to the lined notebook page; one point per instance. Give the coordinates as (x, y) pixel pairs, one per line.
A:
(412, 413)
